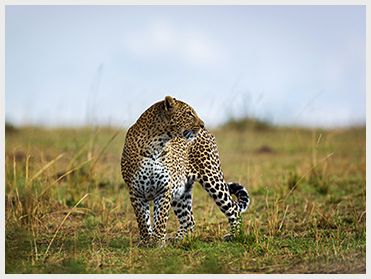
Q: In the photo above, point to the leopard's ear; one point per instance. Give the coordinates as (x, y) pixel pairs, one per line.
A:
(169, 104)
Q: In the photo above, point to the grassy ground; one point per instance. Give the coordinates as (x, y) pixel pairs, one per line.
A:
(307, 212)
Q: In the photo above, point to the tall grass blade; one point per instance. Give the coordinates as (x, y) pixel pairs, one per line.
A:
(65, 174)
(65, 218)
(82, 149)
(105, 147)
(305, 174)
(47, 166)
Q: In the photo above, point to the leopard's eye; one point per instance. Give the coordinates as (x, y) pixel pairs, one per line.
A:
(189, 113)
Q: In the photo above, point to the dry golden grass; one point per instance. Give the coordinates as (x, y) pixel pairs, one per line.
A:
(67, 209)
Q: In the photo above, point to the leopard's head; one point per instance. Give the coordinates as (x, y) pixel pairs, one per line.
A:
(181, 118)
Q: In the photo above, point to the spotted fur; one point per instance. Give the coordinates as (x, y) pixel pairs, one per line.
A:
(165, 152)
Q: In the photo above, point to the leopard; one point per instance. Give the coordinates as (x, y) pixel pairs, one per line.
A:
(165, 152)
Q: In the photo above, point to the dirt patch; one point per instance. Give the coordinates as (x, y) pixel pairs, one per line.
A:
(265, 149)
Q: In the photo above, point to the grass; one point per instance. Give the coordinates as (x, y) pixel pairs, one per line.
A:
(67, 209)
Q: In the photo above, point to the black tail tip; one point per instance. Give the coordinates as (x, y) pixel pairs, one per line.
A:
(235, 187)
(240, 192)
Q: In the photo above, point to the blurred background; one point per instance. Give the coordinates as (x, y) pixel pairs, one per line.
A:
(104, 65)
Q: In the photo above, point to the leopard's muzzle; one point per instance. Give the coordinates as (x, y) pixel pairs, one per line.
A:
(192, 133)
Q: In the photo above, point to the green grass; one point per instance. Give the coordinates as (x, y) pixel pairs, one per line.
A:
(307, 212)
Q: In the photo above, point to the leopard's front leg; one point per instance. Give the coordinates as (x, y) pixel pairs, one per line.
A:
(142, 213)
(182, 206)
(161, 206)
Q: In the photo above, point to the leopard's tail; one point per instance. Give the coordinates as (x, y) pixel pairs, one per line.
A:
(240, 192)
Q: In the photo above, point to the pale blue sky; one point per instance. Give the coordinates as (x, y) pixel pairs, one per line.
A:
(66, 65)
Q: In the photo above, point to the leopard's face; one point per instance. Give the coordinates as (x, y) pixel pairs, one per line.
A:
(182, 119)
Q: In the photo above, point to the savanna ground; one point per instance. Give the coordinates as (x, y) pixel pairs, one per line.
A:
(67, 209)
